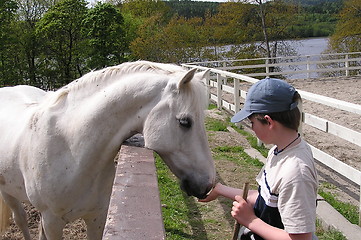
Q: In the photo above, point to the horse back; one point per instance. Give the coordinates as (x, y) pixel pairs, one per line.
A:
(17, 105)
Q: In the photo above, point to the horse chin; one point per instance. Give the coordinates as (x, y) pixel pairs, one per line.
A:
(193, 190)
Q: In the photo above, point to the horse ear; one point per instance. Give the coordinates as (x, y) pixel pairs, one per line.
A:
(204, 73)
(187, 77)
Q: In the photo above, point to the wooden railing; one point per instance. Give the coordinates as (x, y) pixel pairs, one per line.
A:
(218, 79)
(337, 64)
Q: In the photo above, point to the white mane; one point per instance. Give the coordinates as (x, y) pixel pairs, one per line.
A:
(107, 75)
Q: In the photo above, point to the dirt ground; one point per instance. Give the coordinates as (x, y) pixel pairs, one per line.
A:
(346, 89)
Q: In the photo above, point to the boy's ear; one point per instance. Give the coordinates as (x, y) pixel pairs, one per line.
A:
(268, 119)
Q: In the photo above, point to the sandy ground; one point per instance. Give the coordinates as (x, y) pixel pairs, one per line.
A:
(346, 89)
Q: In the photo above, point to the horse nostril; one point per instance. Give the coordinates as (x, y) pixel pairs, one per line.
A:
(194, 188)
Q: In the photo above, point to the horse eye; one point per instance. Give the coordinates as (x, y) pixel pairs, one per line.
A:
(185, 122)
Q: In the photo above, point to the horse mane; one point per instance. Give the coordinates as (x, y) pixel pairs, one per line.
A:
(109, 74)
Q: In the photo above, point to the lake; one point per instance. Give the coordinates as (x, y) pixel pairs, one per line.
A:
(312, 47)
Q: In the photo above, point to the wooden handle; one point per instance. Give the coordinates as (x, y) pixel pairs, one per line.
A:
(237, 226)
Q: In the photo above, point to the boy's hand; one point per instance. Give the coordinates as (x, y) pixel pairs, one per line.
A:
(212, 195)
(242, 211)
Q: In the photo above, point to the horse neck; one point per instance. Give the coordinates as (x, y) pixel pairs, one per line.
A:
(116, 111)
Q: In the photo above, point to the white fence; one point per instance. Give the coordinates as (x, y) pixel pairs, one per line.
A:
(338, 64)
(217, 79)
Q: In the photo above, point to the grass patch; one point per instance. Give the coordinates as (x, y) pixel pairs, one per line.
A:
(215, 125)
(174, 209)
(330, 234)
(237, 155)
(212, 106)
(349, 211)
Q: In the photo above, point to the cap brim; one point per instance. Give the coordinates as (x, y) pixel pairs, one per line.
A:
(241, 115)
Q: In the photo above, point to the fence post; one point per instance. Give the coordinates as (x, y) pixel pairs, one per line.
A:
(347, 65)
(237, 105)
(219, 90)
(207, 78)
(308, 66)
(267, 67)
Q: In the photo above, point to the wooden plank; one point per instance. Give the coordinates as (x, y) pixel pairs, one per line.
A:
(315, 121)
(322, 124)
(332, 102)
(135, 210)
(335, 164)
(345, 133)
(228, 89)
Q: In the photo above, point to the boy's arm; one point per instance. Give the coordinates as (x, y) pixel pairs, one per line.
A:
(229, 192)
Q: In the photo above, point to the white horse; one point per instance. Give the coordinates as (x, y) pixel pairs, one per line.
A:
(57, 149)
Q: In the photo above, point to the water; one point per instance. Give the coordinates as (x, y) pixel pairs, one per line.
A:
(311, 47)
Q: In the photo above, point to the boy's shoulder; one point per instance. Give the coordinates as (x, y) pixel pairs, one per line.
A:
(293, 162)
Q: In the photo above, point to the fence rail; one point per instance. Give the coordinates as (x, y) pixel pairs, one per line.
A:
(218, 79)
(336, 64)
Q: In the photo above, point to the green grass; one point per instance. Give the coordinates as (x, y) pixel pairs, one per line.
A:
(349, 211)
(215, 125)
(181, 215)
(330, 234)
(236, 154)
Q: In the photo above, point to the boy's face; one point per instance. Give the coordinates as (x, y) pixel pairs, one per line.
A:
(261, 130)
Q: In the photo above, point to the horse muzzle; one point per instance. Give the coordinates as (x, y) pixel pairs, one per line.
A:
(197, 188)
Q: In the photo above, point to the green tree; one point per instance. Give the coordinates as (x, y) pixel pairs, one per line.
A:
(347, 36)
(148, 17)
(29, 13)
(63, 53)
(149, 41)
(146, 8)
(184, 40)
(106, 40)
(8, 60)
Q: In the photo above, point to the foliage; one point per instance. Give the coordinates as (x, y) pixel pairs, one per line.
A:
(8, 42)
(192, 9)
(60, 29)
(49, 43)
(103, 28)
(347, 36)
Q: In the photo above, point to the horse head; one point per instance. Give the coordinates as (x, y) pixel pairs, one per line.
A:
(175, 130)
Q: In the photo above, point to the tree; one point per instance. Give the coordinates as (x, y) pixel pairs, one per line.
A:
(28, 14)
(149, 17)
(60, 29)
(347, 36)
(102, 26)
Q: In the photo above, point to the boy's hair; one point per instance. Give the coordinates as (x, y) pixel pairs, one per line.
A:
(290, 119)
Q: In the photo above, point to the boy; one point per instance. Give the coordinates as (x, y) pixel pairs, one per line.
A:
(284, 206)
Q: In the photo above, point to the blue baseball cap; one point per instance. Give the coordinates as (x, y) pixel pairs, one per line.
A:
(268, 95)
